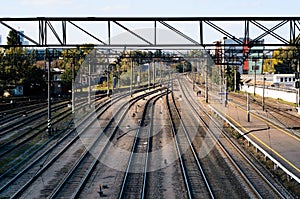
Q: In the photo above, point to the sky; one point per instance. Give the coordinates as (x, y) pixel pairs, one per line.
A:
(143, 8)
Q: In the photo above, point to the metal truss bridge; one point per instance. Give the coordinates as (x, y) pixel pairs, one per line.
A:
(187, 31)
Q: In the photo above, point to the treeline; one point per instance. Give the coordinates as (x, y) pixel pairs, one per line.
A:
(28, 67)
(283, 60)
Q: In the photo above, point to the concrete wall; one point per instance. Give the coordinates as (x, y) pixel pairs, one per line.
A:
(288, 96)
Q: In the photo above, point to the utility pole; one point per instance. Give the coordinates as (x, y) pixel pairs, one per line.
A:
(263, 95)
(131, 76)
(154, 72)
(119, 79)
(193, 75)
(226, 84)
(89, 82)
(255, 78)
(73, 84)
(206, 83)
(160, 73)
(107, 75)
(49, 128)
(248, 107)
(235, 78)
(149, 76)
(139, 79)
(172, 83)
(220, 81)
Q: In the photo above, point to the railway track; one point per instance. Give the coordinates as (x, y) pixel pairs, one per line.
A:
(11, 105)
(13, 174)
(135, 177)
(23, 141)
(60, 150)
(279, 114)
(252, 173)
(23, 121)
(276, 113)
(15, 113)
(23, 115)
(196, 183)
(13, 165)
(82, 170)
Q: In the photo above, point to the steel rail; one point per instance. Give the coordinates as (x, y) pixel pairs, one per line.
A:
(135, 146)
(84, 123)
(234, 145)
(193, 151)
(101, 136)
(56, 119)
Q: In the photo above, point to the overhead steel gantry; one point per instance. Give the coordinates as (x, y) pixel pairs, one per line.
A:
(284, 31)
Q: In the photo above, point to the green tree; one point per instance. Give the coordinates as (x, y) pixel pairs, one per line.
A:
(231, 78)
(74, 57)
(285, 60)
(268, 66)
(13, 38)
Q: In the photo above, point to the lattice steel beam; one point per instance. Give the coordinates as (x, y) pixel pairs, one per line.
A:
(204, 26)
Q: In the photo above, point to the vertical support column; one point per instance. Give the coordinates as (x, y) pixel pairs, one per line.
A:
(220, 82)
(160, 73)
(154, 72)
(119, 79)
(107, 59)
(108, 31)
(206, 83)
(131, 76)
(49, 128)
(254, 93)
(73, 84)
(139, 78)
(64, 31)
(234, 81)
(226, 85)
(263, 94)
(149, 76)
(89, 82)
(248, 107)
(172, 83)
(42, 32)
(201, 32)
(155, 27)
(193, 75)
(297, 77)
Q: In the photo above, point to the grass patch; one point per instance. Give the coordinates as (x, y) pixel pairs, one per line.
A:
(285, 102)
